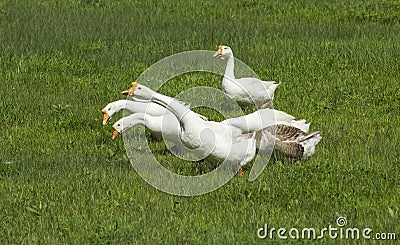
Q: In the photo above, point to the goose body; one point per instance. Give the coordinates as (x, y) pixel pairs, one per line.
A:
(245, 91)
(263, 118)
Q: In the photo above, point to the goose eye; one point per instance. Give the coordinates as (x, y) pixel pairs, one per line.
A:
(225, 48)
(140, 88)
(109, 109)
(119, 125)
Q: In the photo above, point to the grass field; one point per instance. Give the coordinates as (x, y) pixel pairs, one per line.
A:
(62, 179)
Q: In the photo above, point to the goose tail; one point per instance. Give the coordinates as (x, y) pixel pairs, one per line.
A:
(309, 136)
(309, 143)
(273, 87)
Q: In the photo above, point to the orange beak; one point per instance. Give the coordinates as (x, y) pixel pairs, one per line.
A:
(219, 52)
(128, 91)
(115, 133)
(131, 90)
(106, 117)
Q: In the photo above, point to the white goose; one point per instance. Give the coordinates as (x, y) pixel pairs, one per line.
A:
(216, 141)
(245, 91)
(164, 127)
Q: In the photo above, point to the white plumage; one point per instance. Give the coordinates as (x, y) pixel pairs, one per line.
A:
(247, 91)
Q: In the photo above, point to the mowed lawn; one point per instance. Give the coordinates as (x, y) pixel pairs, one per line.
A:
(63, 180)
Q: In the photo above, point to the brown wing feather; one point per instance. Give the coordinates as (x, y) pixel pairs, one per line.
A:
(285, 132)
(287, 139)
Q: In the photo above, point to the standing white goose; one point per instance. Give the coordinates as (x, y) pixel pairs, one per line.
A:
(245, 91)
(217, 141)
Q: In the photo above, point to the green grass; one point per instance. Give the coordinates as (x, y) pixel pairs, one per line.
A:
(62, 179)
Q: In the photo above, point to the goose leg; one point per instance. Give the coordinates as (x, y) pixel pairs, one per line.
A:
(241, 172)
(266, 104)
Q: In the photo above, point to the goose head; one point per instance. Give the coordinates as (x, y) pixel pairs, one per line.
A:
(130, 91)
(110, 109)
(116, 132)
(139, 91)
(223, 52)
(118, 128)
(127, 122)
(106, 116)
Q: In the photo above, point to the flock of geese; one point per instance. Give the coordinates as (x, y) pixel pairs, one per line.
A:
(235, 140)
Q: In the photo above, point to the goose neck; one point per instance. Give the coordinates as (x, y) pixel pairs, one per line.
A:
(230, 66)
(178, 109)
